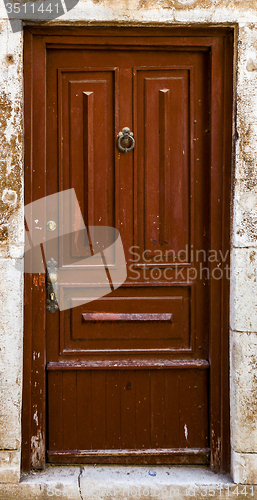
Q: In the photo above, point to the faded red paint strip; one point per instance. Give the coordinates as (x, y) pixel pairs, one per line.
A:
(103, 316)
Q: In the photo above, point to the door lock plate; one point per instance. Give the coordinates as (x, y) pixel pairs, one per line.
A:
(51, 286)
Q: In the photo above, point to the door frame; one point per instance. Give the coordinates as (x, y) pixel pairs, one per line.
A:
(219, 42)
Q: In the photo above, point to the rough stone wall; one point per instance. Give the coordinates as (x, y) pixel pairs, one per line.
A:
(243, 316)
(11, 249)
(242, 14)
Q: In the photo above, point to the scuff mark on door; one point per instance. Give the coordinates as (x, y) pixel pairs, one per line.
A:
(37, 450)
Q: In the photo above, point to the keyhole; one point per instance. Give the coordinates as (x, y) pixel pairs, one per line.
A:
(52, 296)
(128, 386)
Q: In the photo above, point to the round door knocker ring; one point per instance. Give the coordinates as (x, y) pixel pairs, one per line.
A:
(126, 141)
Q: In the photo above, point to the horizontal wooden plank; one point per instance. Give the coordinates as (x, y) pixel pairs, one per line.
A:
(150, 451)
(146, 456)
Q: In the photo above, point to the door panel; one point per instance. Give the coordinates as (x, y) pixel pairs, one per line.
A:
(128, 410)
(139, 320)
(86, 120)
(151, 318)
(136, 375)
(162, 117)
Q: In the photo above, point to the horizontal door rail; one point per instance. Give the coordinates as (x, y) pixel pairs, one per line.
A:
(198, 456)
(153, 364)
(150, 451)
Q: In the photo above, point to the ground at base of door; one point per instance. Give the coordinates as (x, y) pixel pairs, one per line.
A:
(111, 482)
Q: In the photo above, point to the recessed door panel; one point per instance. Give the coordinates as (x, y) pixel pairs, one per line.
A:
(127, 321)
(163, 167)
(86, 121)
(128, 410)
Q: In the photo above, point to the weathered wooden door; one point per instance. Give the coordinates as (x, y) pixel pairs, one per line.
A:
(141, 381)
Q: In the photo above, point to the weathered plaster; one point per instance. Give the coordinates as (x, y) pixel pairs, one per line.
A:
(244, 392)
(9, 467)
(245, 172)
(242, 13)
(244, 289)
(11, 142)
(11, 279)
(244, 467)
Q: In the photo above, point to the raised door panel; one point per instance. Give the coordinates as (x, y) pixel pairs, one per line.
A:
(141, 320)
(86, 121)
(162, 118)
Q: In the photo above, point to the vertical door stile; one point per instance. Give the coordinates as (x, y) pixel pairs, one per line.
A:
(135, 163)
(117, 127)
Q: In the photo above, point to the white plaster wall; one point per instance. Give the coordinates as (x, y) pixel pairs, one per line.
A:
(11, 250)
(241, 13)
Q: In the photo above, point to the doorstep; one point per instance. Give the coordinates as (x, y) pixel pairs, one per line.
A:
(112, 482)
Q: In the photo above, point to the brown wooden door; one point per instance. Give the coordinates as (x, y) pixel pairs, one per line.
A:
(133, 386)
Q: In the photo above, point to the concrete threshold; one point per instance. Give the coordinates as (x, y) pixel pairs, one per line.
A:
(112, 482)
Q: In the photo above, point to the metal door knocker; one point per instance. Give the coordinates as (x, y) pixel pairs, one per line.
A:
(126, 141)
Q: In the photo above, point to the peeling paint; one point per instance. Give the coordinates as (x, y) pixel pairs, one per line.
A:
(10, 168)
(9, 197)
(35, 418)
(251, 65)
(10, 59)
(37, 450)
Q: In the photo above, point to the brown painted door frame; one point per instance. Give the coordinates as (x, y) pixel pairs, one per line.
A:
(219, 43)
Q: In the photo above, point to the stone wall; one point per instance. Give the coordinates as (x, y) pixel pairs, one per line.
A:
(243, 15)
(11, 248)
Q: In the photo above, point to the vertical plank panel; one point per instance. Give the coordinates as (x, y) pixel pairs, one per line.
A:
(98, 410)
(113, 437)
(69, 404)
(150, 163)
(84, 410)
(128, 413)
(187, 417)
(164, 164)
(194, 409)
(55, 417)
(172, 408)
(103, 159)
(88, 127)
(157, 409)
(201, 409)
(164, 203)
(143, 420)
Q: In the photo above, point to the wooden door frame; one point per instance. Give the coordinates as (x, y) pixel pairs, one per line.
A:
(219, 42)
